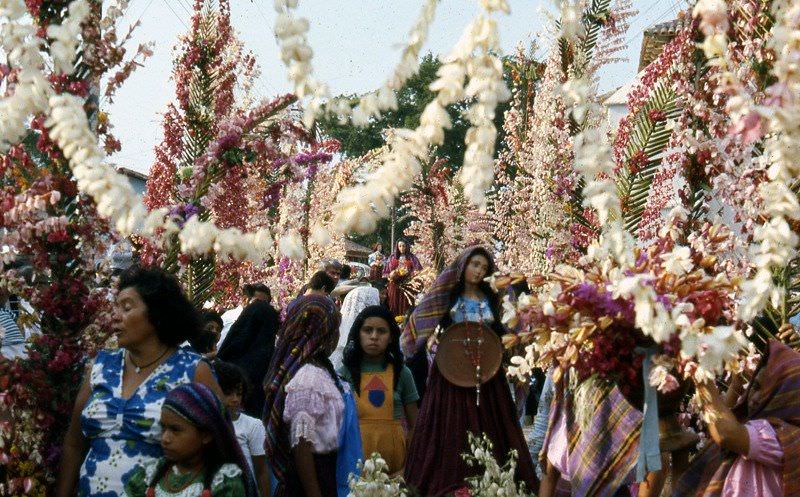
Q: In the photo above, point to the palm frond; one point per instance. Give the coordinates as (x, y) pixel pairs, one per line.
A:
(649, 138)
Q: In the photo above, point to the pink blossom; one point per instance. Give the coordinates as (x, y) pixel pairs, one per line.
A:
(749, 128)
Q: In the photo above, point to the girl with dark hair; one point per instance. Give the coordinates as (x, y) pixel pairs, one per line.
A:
(113, 426)
(304, 401)
(434, 466)
(201, 458)
(250, 345)
(399, 269)
(373, 345)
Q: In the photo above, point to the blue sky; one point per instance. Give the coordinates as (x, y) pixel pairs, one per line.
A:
(356, 44)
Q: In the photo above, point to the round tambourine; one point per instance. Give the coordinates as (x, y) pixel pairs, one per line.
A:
(461, 347)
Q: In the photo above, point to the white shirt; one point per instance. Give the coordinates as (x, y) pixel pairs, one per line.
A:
(228, 318)
(250, 434)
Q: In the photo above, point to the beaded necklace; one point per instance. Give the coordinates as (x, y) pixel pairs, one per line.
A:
(472, 345)
(174, 482)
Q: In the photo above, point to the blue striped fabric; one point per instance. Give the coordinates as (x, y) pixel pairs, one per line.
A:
(12, 334)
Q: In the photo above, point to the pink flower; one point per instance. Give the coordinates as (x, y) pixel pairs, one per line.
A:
(750, 128)
(668, 384)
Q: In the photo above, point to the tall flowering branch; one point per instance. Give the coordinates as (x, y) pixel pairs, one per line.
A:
(220, 162)
(46, 220)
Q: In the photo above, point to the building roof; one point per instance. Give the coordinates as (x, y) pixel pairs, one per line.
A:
(620, 96)
(658, 35)
(353, 247)
(131, 173)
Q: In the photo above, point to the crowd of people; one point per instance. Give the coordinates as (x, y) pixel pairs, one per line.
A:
(262, 401)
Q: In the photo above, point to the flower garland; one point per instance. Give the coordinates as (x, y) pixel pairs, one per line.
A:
(359, 208)
(297, 54)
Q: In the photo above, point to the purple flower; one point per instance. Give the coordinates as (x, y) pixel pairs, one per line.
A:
(183, 212)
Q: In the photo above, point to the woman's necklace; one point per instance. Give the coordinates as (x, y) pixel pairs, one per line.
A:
(174, 482)
(139, 369)
(472, 345)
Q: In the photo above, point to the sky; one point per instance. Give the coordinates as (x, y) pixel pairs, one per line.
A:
(356, 44)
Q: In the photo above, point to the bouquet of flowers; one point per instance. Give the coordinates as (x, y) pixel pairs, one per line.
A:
(599, 317)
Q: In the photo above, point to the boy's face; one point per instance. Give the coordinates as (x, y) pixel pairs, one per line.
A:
(233, 401)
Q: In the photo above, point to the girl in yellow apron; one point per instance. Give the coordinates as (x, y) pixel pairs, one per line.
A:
(386, 394)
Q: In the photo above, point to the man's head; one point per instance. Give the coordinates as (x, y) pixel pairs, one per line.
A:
(261, 292)
(322, 282)
(333, 268)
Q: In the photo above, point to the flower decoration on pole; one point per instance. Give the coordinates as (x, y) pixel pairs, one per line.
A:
(221, 162)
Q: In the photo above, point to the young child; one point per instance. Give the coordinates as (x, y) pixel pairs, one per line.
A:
(386, 395)
(250, 431)
(201, 455)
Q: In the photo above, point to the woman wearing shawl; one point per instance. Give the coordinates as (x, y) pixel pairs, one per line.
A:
(250, 345)
(592, 441)
(202, 457)
(304, 405)
(434, 466)
(756, 449)
(399, 269)
(355, 301)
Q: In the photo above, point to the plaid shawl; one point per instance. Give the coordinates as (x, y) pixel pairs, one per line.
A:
(198, 405)
(603, 435)
(780, 385)
(311, 325)
(436, 303)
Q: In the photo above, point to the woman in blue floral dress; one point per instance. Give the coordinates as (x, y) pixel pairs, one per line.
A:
(114, 424)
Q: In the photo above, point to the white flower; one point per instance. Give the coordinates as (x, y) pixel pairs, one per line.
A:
(291, 245)
(509, 312)
(679, 261)
(320, 236)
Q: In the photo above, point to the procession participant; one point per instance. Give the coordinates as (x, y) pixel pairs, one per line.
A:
(355, 301)
(377, 249)
(250, 345)
(595, 418)
(304, 401)
(434, 465)
(756, 443)
(249, 430)
(201, 458)
(386, 395)
(114, 423)
(399, 269)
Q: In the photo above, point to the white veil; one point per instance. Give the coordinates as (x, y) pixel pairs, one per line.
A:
(355, 301)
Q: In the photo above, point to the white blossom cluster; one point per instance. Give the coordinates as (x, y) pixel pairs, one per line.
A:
(70, 129)
(494, 480)
(777, 241)
(474, 59)
(374, 480)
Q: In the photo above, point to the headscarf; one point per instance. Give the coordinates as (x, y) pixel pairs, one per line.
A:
(354, 302)
(435, 306)
(311, 326)
(250, 345)
(198, 405)
(780, 406)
